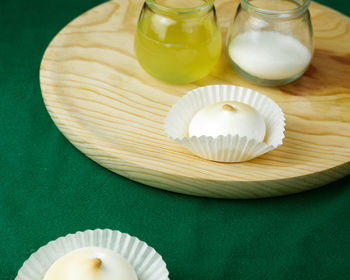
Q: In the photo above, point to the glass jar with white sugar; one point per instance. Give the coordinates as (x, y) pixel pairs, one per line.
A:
(270, 41)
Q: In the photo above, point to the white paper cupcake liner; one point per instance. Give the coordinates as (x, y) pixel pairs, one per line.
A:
(230, 148)
(147, 263)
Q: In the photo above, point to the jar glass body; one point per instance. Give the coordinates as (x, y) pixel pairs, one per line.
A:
(270, 42)
(178, 45)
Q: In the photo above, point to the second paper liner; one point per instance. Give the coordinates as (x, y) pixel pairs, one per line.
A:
(147, 263)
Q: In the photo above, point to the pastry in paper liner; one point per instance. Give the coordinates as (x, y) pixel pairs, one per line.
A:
(229, 148)
(146, 262)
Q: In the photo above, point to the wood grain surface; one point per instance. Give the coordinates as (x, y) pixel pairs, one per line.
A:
(111, 110)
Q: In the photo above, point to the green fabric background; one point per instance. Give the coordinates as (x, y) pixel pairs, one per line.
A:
(49, 189)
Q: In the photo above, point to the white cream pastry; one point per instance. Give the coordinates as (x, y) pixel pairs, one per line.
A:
(228, 118)
(91, 263)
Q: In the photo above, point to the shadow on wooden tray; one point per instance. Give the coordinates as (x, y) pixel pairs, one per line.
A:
(327, 71)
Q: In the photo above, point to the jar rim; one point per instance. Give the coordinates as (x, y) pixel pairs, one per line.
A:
(206, 6)
(278, 13)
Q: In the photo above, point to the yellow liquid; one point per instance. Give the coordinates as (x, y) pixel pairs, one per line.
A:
(177, 51)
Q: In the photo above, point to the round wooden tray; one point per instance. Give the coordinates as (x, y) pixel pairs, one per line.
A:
(111, 110)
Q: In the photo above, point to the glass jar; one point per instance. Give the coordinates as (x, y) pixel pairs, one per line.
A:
(178, 41)
(270, 41)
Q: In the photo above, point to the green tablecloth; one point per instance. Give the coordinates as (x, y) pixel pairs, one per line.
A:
(48, 188)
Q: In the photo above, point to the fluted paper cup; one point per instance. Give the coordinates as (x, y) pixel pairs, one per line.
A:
(229, 148)
(147, 263)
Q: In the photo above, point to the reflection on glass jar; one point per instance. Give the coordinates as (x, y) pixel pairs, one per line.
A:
(270, 41)
(178, 41)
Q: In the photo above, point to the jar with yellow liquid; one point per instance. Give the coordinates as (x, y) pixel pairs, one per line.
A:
(178, 41)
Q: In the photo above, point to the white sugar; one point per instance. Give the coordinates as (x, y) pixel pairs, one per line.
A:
(269, 54)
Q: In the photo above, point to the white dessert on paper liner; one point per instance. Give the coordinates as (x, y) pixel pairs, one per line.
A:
(228, 118)
(229, 147)
(91, 263)
(144, 260)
